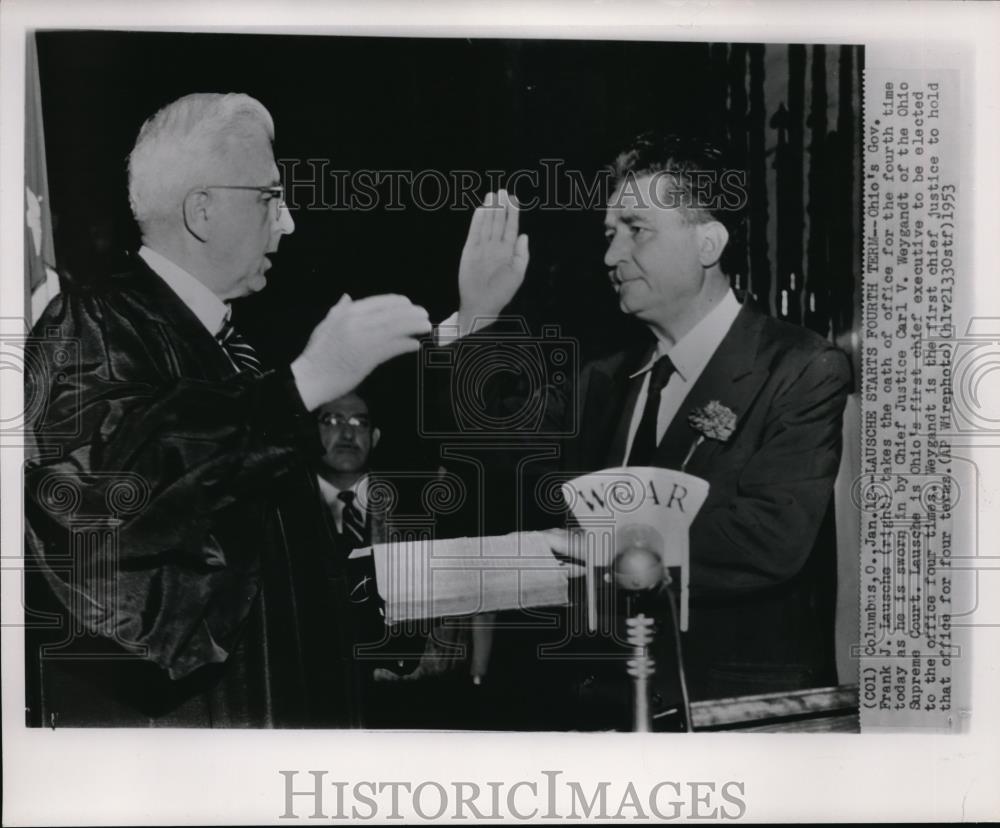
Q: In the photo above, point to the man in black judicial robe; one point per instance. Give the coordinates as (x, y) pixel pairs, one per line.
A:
(175, 533)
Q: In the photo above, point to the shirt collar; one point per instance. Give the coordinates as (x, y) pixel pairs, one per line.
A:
(211, 311)
(691, 353)
(331, 493)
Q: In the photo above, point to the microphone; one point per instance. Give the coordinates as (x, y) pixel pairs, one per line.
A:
(640, 542)
(638, 563)
(638, 568)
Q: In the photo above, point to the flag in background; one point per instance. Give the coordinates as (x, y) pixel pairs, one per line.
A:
(40, 277)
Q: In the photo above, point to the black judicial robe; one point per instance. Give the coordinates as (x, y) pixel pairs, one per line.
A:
(175, 543)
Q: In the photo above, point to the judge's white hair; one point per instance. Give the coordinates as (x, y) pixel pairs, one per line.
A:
(184, 145)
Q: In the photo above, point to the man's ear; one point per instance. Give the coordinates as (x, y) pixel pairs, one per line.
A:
(713, 238)
(197, 206)
(376, 434)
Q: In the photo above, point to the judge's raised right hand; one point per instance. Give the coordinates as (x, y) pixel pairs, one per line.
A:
(353, 339)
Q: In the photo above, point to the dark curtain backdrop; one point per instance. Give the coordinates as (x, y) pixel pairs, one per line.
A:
(793, 116)
(790, 114)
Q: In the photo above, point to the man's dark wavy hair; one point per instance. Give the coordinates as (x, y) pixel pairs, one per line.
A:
(702, 181)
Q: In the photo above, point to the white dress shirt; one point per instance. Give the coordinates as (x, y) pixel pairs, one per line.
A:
(331, 496)
(211, 311)
(690, 354)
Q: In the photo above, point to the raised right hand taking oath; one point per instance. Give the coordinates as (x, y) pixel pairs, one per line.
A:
(353, 339)
(493, 261)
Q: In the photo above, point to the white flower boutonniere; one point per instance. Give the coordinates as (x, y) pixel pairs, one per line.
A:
(713, 421)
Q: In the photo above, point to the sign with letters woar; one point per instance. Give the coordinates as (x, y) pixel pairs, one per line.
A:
(635, 507)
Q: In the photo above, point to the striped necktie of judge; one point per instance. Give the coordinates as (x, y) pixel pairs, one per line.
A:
(241, 352)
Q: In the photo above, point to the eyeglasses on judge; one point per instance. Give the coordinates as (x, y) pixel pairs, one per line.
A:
(270, 192)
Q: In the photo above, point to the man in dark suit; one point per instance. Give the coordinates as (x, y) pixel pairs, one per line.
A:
(354, 499)
(762, 565)
(415, 674)
(174, 525)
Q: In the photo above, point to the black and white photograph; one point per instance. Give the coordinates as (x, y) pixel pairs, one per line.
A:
(404, 388)
(243, 417)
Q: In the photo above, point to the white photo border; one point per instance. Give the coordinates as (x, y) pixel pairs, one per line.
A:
(109, 777)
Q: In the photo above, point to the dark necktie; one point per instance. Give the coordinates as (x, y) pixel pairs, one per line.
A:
(360, 571)
(644, 444)
(353, 521)
(241, 352)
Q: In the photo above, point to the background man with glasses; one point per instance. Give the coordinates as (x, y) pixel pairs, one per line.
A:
(348, 438)
(345, 480)
(172, 509)
(413, 676)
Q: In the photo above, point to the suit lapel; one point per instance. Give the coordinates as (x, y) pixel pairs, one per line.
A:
(609, 396)
(731, 377)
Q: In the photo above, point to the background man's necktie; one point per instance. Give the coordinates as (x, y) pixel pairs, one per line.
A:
(644, 444)
(240, 351)
(353, 521)
(360, 571)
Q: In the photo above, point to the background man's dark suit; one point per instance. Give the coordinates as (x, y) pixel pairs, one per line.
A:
(219, 584)
(375, 645)
(414, 674)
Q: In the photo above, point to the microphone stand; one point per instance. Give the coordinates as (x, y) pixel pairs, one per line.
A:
(638, 569)
(641, 666)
